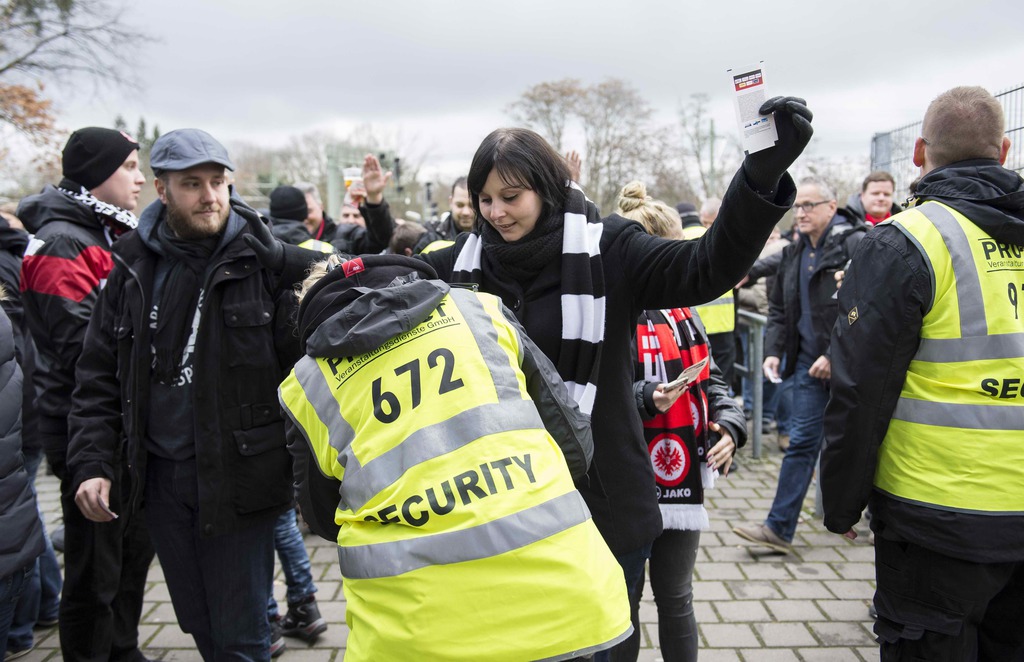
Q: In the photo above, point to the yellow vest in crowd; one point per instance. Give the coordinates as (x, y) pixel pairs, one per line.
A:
(317, 245)
(462, 536)
(956, 440)
(719, 316)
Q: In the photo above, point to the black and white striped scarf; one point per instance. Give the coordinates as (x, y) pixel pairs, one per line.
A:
(116, 220)
(583, 296)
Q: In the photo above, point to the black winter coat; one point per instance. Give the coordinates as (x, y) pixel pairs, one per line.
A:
(890, 285)
(245, 346)
(641, 272)
(61, 281)
(12, 247)
(22, 539)
(344, 237)
(783, 336)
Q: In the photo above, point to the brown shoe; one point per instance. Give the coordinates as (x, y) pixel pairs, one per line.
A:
(762, 535)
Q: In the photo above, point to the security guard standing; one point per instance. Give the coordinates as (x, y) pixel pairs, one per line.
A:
(437, 445)
(926, 419)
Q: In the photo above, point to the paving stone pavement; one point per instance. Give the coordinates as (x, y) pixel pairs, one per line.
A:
(811, 605)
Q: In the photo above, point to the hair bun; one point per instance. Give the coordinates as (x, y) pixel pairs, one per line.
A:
(633, 196)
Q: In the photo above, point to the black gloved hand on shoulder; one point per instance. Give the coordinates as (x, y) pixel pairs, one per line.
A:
(268, 248)
(764, 169)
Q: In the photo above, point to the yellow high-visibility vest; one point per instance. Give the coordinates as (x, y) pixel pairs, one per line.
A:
(719, 316)
(436, 245)
(317, 245)
(956, 439)
(461, 536)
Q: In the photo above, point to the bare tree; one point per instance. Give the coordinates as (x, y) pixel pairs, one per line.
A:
(55, 39)
(620, 145)
(547, 108)
(670, 179)
(615, 121)
(712, 156)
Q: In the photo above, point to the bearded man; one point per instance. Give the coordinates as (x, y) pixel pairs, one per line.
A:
(182, 359)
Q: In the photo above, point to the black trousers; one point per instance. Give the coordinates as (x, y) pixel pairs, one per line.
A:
(105, 568)
(937, 608)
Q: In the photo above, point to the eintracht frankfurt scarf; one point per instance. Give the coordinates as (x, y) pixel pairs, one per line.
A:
(116, 221)
(583, 300)
(677, 440)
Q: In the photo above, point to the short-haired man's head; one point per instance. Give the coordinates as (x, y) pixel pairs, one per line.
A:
(963, 123)
(825, 190)
(658, 218)
(460, 206)
(709, 211)
(405, 238)
(877, 176)
(314, 205)
(876, 194)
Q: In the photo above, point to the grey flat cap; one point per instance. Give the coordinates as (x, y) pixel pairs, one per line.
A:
(183, 148)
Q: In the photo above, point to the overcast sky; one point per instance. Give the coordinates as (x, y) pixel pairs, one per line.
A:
(443, 72)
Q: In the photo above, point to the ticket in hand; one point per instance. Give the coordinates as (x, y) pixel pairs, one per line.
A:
(688, 377)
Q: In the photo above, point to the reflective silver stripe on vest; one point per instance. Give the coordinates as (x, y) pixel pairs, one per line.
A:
(388, 559)
(362, 483)
(590, 650)
(949, 415)
(969, 511)
(505, 380)
(968, 286)
(319, 394)
(721, 301)
(974, 348)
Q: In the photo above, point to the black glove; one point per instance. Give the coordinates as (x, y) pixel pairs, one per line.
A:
(268, 248)
(793, 121)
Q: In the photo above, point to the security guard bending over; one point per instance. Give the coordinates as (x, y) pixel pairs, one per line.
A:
(437, 445)
(926, 419)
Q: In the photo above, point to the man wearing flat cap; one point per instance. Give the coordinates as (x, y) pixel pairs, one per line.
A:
(65, 267)
(182, 360)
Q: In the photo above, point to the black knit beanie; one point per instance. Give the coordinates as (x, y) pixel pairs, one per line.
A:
(288, 202)
(93, 154)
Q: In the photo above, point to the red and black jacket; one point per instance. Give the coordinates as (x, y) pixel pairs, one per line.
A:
(65, 266)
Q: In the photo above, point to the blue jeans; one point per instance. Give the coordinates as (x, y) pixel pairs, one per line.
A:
(41, 597)
(633, 564)
(50, 579)
(218, 584)
(294, 561)
(810, 396)
(11, 588)
(781, 404)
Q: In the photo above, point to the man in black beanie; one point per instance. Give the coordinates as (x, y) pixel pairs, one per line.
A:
(65, 267)
(288, 212)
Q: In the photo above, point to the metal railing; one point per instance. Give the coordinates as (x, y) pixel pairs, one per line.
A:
(893, 151)
(753, 325)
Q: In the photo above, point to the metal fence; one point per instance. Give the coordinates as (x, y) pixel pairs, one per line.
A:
(893, 151)
(753, 325)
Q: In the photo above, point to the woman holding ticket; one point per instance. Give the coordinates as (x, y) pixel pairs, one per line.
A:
(692, 428)
(578, 282)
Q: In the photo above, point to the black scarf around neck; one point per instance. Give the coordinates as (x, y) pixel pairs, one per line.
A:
(576, 234)
(178, 299)
(114, 218)
(525, 258)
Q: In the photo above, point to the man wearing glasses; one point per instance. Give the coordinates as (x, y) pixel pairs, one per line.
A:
(801, 314)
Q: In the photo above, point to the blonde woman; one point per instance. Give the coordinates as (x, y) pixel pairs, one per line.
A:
(691, 431)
